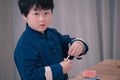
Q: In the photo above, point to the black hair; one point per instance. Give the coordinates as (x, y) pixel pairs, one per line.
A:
(26, 5)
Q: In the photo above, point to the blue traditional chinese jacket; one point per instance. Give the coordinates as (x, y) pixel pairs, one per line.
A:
(36, 50)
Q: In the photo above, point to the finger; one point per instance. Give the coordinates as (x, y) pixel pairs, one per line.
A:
(70, 49)
(69, 61)
(74, 50)
(65, 59)
(77, 52)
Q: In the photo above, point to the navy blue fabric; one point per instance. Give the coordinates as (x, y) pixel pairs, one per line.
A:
(35, 50)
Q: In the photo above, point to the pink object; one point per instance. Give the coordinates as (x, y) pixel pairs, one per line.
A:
(89, 73)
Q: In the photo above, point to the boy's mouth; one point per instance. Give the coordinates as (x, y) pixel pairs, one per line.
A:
(42, 25)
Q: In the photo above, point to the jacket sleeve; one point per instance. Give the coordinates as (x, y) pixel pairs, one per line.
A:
(66, 39)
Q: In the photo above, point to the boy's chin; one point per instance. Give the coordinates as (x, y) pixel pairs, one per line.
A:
(42, 31)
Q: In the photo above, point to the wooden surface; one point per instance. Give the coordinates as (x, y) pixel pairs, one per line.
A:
(105, 70)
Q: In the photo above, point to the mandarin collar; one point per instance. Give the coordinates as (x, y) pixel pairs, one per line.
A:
(34, 32)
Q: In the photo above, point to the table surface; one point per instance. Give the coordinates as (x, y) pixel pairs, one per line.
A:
(105, 70)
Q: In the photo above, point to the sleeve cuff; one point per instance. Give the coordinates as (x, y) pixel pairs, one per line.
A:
(48, 73)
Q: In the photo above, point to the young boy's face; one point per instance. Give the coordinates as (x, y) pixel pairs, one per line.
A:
(38, 19)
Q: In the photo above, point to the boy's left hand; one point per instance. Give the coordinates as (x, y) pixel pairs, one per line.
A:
(75, 49)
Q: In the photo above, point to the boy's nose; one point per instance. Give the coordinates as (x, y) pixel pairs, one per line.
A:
(41, 18)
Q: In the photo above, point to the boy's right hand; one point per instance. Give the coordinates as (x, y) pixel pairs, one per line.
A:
(66, 65)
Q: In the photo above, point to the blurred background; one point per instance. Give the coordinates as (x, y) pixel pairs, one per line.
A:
(97, 22)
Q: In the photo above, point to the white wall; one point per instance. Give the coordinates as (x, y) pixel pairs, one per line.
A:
(18, 27)
(6, 41)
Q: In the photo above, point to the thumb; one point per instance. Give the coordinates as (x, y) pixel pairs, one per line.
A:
(65, 59)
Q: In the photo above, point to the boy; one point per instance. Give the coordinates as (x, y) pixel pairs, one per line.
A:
(41, 52)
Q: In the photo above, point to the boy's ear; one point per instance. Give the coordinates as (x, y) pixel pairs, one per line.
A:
(24, 17)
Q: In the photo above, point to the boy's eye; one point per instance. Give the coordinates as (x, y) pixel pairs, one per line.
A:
(46, 13)
(35, 13)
